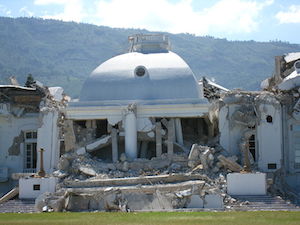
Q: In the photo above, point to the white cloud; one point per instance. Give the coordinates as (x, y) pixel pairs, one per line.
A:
(26, 12)
(47, 2)
(229, 16)
(72, 10)
(290, 16)
(5, 10)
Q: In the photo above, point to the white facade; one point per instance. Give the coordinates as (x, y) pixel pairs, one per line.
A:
(31, 188)
(12, 153)
(270, 138)
(25, 129)
(264, 127)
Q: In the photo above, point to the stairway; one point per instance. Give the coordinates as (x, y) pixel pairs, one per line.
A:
(262, 202)
(17, 206)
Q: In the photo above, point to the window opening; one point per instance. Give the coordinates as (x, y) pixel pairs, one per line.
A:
(140, 71)
(269, 119)
(252, 146)
(30, 151)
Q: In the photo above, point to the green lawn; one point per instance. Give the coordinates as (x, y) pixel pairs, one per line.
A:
(155, 218)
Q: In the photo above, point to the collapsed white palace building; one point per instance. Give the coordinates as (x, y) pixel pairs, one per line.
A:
(147, 135)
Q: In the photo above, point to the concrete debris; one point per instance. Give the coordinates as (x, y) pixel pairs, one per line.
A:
(291, 57)
(229, 163)
(49, 202)
(211, 90)
(201, 154)
(159, 183)
(99, 143)
(11, 194)
(57, 93)
(245, 115)
(123, 157)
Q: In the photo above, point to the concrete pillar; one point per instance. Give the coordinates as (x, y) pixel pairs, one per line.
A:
(130, 134)
(48, 139)
(88, 124)
(171, 137)
(70, 139)
(114, 143)
(42, 173)
(178, 129)
(158, 139)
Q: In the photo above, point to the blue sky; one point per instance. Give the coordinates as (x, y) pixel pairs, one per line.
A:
(260, 20)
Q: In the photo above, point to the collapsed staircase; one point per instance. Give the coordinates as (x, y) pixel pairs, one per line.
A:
(17, 206)
(262, 202)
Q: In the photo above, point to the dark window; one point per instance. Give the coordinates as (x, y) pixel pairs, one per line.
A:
(272, 166)
(31, 156)
(28, 135)
(36, 187)
(34, 134)
(252, 147)
(269, 119)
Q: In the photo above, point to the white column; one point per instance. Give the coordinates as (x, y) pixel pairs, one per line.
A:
(130, 133)
(178, 130)
(171, 137)
(48, 139)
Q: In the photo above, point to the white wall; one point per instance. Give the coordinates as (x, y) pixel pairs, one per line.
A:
(48, 139)
(269, 136)
(246, 184)
(10, 127)
(230, 134)
(26, 191)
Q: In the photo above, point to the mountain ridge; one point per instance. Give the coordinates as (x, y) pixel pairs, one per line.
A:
(64, 53)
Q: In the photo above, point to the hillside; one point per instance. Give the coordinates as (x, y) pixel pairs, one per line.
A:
(64, 53)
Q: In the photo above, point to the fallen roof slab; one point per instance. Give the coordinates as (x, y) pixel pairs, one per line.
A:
(134, 180)
(148, 189)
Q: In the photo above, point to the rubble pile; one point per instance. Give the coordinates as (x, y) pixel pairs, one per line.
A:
(159, 183)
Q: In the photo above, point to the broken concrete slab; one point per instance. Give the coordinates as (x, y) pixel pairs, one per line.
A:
(98, 143)
(169, 178)
(81, 151)
(150, 189)
(11, 194)
(229, 163)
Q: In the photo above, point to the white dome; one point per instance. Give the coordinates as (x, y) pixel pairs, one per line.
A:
(140, 76)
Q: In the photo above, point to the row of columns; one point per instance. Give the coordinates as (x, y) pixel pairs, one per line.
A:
(130, 125)
(174, 135)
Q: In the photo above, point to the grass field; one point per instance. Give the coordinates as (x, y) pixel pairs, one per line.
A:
(155, 218)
